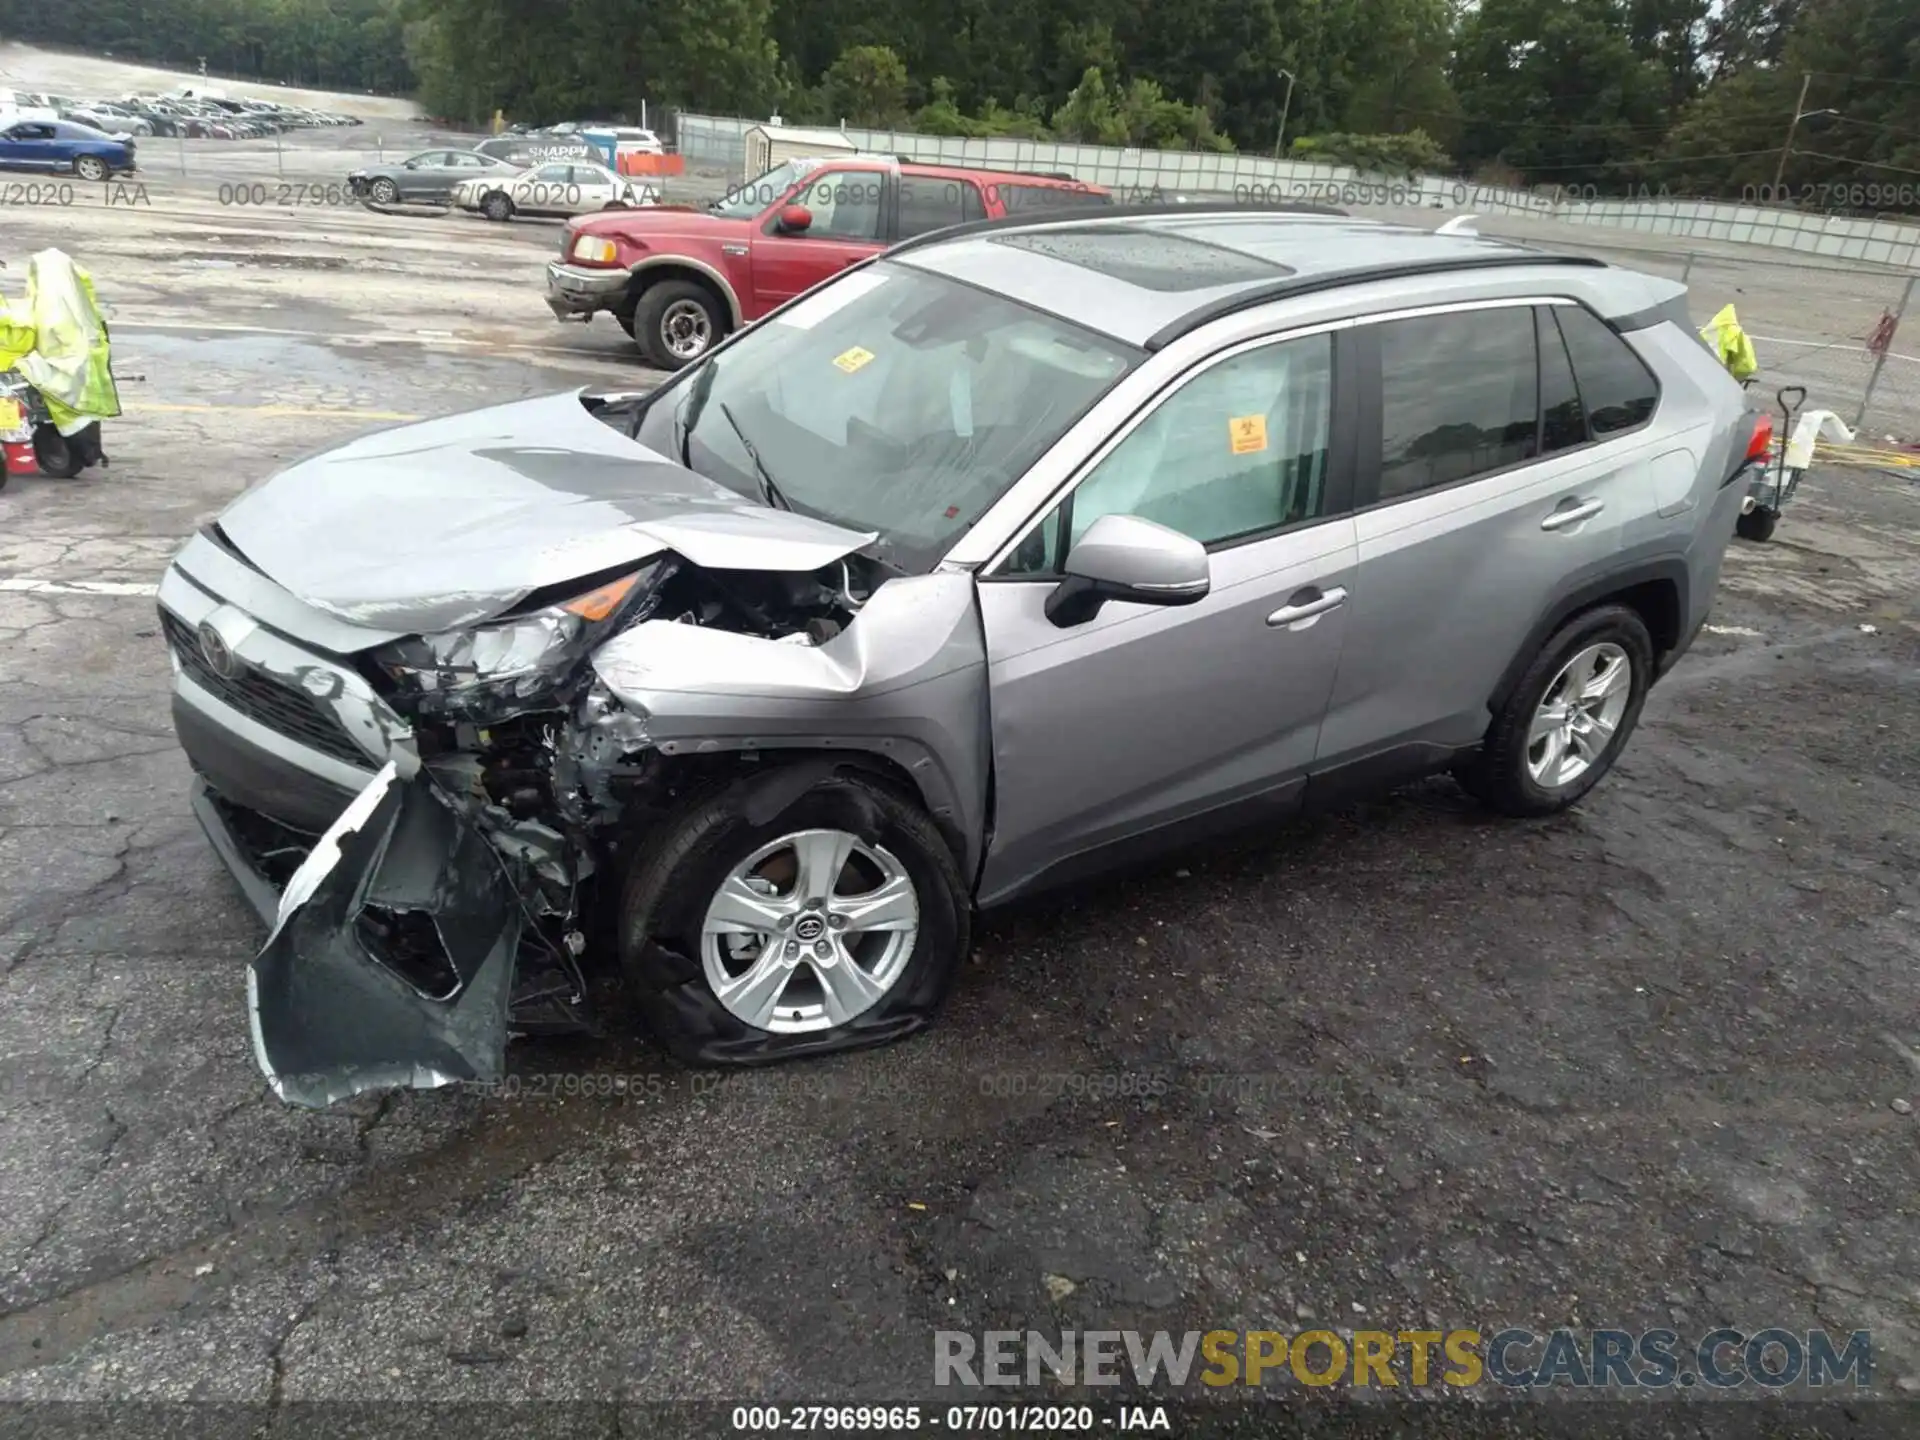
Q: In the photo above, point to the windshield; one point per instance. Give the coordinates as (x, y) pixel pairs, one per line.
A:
(890, 400)
(744, 201)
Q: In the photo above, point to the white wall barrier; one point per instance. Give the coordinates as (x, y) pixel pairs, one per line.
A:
(1145, 174)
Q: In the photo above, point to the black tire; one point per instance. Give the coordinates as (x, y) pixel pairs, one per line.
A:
(54, 455)
(90, 168)
(625, 316)
(650, 317)
(497, 206)
(384, 192)
(676, 873)
(1757, 524)
(1498, 776)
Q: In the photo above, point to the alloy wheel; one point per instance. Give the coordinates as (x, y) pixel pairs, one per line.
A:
(1579, 715)
(809, 932)
(685, 330)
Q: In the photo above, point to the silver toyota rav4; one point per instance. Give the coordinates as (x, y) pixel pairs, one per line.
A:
(1020, 551)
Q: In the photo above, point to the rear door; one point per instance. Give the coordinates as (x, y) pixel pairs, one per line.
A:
(847, 206)
(1487, 493)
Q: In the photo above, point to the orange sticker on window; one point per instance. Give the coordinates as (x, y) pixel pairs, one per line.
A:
(852, 360)
(1247, 434)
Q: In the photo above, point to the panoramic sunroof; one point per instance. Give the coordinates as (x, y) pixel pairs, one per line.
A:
(1151, 259)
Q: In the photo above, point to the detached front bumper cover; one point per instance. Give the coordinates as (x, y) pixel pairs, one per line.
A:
(392, 960)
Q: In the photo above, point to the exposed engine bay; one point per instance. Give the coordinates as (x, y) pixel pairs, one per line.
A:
(481, 945)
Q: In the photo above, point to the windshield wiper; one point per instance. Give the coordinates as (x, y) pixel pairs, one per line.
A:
(696, 401)
(769, 491)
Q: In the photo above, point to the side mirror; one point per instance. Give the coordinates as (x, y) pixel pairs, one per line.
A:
(795, 219)
(1122, 557)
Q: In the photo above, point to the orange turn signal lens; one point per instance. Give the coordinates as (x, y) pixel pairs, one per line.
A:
(597, 605)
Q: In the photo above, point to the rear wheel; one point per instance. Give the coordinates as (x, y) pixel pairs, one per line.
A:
(497, 207)
(676, 323)
(1757, 524)
(1568, 718)
(836, 924)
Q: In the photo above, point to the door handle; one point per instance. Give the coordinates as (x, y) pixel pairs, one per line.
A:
(1572, 515)
(1307, 604)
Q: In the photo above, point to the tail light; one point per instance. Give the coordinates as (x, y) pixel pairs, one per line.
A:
(1759, 448)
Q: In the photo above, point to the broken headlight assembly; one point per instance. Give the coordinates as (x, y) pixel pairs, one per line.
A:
(522, 662)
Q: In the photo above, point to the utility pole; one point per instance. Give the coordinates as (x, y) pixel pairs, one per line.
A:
(1280, 139)
(1799, 109)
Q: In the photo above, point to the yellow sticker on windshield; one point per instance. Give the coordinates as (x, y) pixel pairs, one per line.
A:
(852, 360)
(1247, 434)
(10, 417)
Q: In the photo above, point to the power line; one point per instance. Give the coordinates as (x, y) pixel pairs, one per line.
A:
(1869, 79)
(1864, 164)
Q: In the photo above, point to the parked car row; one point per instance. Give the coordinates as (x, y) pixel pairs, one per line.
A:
(483, 183)
(209, 116)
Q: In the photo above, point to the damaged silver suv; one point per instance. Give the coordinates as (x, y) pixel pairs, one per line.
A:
(1014, 553)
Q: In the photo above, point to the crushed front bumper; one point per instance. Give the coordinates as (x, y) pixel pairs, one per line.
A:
(392, 957)
(574, 291)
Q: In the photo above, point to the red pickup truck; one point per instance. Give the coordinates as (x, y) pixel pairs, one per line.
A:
(679, 279)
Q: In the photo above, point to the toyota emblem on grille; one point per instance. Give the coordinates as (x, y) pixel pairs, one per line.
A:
(217, 653)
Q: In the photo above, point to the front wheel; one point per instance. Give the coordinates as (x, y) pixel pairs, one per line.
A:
(90, 168)
(384, 192)
(676, 323)
(497, 207)
(1569, 717)
(836, 924)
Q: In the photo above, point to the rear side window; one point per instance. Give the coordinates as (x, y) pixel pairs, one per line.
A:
(928, 203)
(1460, 396)
(1616, 387)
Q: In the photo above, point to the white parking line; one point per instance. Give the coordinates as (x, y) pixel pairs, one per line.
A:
(27, 585)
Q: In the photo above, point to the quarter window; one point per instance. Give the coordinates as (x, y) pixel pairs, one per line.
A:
(1460, 396)
(1618, 390)
(1239, 450)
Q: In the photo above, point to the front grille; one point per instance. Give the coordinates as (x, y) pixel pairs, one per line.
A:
(283, 708)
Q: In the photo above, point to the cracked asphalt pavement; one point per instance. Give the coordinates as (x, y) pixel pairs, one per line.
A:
(1401, 1066)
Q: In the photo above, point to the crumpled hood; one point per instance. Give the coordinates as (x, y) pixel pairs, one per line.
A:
(450, 522)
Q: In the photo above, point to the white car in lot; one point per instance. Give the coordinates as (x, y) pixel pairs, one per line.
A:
(561, 188)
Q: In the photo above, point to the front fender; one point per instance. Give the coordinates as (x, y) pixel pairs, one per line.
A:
(905, 681)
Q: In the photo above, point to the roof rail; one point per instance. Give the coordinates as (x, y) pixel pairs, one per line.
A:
(1286, 289)
(1101, 215)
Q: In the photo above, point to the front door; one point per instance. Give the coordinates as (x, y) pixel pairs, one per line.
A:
(27, 146)
(1156, 724)
(846, 206)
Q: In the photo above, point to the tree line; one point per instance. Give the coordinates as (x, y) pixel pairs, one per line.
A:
(1602, 96)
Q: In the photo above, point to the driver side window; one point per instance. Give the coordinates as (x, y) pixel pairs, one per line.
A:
(845, 205)
(1237, 451)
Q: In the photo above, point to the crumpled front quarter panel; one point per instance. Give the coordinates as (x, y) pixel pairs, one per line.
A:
(906, 679)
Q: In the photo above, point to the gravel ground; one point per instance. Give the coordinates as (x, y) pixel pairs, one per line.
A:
(1402, 1066)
